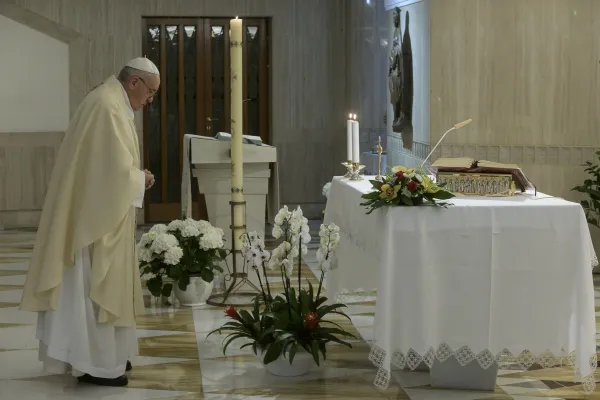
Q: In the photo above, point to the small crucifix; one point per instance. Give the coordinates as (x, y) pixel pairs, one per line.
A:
(379, 151)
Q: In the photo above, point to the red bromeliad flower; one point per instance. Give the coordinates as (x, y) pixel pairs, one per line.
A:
(311, 320)
(232, 313)
(400, 175)
(412, 186)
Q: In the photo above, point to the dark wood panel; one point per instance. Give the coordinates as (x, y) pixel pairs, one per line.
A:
(163, 109)
(164, 210)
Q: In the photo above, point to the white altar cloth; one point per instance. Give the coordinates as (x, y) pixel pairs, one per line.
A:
(480, 277)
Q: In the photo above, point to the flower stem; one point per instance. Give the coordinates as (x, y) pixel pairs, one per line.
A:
(286, 287)
(320, 284)
(299, 275)
(267, 283)
(261, 286)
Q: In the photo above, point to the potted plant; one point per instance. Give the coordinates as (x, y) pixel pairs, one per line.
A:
(405, 187)
(289, 333)
(591, 188)
(182, 256)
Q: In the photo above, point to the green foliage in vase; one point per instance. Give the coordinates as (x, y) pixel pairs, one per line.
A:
(591, 188)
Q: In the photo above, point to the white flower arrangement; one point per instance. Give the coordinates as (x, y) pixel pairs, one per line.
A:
(325, 190)
(294, 229)
(181, 249)
(330, 238)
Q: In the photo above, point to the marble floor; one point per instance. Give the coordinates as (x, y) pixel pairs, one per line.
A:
(177, 361)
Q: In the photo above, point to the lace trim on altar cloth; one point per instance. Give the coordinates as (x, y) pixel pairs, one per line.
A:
(485, 358)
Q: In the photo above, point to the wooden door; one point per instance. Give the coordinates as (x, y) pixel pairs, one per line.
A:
(193, 57)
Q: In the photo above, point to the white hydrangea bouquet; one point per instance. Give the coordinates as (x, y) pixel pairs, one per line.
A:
(180, 250)
(294, 320)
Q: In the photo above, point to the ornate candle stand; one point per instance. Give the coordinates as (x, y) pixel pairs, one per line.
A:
(355, 174)
(349, 167)
(379, 152)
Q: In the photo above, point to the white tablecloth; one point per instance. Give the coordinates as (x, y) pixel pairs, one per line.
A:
(475, 280)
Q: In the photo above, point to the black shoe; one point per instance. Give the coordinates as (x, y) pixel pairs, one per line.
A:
(117, 382)
(128, 367)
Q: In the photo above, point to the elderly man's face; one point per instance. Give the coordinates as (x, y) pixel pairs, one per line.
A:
(141, 89)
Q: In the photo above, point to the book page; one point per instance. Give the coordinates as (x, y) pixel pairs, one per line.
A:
(491, 164)
(459, 162)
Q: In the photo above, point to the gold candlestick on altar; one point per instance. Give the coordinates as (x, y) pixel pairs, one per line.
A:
(379, 151)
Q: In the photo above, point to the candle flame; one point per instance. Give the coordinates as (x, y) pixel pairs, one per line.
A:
(355, 116)
(350, 116)
(236, 17)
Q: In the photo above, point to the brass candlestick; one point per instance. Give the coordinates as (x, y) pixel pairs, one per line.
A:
(379, 151)
(356, 168)
(348, 165)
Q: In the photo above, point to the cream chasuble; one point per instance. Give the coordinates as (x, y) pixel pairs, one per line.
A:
(70, 335)
(95, 182)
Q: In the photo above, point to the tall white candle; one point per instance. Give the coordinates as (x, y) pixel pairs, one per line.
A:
(355, 142)
(237, 117)
(349, 124)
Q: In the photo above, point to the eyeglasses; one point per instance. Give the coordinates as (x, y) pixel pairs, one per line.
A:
(152, 91)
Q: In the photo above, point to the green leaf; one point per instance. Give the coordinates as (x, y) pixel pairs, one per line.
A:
(321, 312)
(233, 337)
(273, 353)
(320, 301)
(376, 183)
(246, 317)
(184, 281)
(305, 300)
(155, 286)
(175, 272)
(323, 349)
(315, 352)
(332, 338)
(167, 289)
(293, 352)
(443, 195)
(207, 275)
(311, 296)
(406, 200)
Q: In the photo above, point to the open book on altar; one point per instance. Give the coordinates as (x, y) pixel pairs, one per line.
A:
(471, 166)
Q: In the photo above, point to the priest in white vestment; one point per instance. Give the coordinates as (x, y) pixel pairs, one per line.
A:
(83, 279)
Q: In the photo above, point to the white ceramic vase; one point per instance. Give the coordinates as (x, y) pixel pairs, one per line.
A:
(196, 293)
(302, 364)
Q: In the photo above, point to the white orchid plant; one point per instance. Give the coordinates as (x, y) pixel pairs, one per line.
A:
(180, 250)
(291, 321)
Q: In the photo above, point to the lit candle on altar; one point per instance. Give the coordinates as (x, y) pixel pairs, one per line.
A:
(237, 118)
(349, 139)
(355, 141)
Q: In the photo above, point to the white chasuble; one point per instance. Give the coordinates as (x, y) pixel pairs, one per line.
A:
(83, 279)
(72, 337)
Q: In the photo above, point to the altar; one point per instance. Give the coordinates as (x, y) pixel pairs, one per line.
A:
(483, 279)
(208, 160)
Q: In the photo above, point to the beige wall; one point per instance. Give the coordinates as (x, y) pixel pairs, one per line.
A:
(308, 81)
(528, 73)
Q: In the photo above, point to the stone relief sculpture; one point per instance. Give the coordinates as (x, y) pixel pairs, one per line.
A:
(400, 79)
